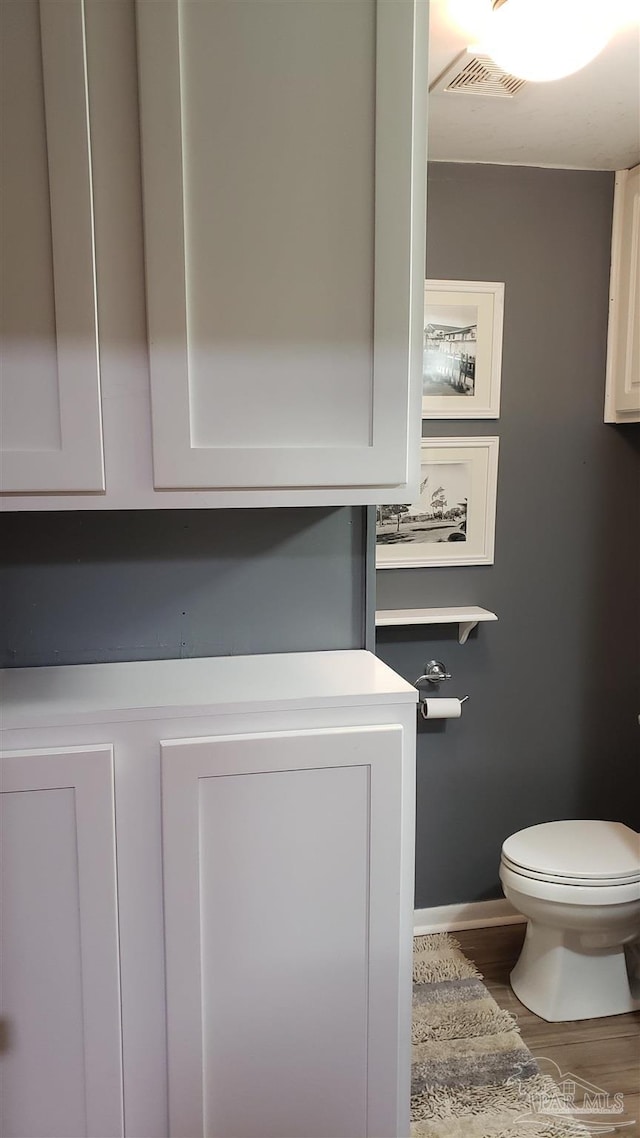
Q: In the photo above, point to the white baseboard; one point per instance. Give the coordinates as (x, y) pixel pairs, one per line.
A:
(475, 915)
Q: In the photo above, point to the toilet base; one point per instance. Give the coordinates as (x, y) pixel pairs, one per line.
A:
(558, 979)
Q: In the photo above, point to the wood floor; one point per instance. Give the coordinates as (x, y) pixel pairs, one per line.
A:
(605, 1052)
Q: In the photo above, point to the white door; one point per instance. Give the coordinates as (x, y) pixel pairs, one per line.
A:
(61, 1066)
(282, 862)
(283, 151)
(51, 434)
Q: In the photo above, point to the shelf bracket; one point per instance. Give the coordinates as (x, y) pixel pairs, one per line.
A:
(464, 628)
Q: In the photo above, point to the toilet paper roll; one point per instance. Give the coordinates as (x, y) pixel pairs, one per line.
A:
(442, 708)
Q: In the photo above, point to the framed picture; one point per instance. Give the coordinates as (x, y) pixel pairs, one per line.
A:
(452, 522)
(462, 349)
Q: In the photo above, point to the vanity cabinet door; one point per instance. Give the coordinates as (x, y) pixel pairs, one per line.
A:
(623, 351)
(50, 419)
(287, 973)
(283, 149)
(61, 1061)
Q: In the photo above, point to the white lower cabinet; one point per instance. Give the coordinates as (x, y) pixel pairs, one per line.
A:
(275, 962)
(255, 975)
(61, 1064)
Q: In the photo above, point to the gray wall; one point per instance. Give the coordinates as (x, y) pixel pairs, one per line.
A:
(551, 726)
(90, 587)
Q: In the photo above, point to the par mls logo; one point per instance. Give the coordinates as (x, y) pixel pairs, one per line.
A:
(570, 1096)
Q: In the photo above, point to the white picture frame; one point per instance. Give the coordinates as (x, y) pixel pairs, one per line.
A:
(458, 481)
(462, 349)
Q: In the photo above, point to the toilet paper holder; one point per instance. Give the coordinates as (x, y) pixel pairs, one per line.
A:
(434, 673)
(423, 704)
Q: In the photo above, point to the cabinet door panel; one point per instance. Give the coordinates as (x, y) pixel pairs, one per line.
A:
(282, 866)
(277, 148)
(623, 347)
(50, 398)
(62, 1073)
(628, 398)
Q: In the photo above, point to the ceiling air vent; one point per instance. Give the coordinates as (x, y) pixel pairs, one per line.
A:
(477, 75)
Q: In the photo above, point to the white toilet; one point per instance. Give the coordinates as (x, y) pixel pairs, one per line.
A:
(578, 883)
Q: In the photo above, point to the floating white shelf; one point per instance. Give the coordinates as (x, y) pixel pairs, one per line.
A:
(466, 618)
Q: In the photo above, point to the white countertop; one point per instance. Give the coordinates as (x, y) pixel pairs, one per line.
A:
(33, 697)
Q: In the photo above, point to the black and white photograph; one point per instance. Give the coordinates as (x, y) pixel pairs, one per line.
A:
(440, 513)
(449, 355)
(452, 519)
(462, 349)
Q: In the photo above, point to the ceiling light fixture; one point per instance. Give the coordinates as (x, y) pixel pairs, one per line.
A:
(542, 40)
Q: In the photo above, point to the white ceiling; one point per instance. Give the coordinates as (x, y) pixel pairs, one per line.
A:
(588, 121)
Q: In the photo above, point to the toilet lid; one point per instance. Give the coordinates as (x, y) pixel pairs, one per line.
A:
(579, 851)
(576, 882)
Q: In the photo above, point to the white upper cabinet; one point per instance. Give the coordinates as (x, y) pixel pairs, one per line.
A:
(254, 179)
(277, 144)
(50, 394)
(259, 189)
(622, 403)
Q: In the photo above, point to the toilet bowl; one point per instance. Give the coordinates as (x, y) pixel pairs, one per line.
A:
(578, 884)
